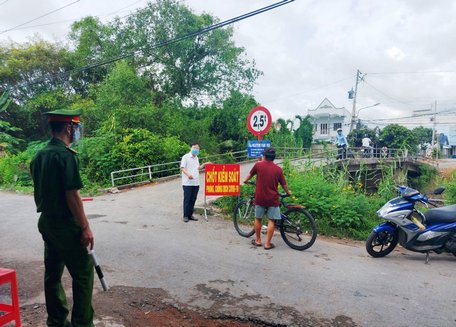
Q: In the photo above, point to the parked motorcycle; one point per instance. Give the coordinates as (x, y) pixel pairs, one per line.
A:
(433, 230)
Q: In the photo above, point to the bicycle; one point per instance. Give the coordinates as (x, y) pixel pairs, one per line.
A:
(297, 226)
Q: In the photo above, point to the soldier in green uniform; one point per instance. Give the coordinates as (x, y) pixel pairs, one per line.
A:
(63, 223)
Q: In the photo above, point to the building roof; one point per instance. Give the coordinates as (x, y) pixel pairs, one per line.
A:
(327, 109)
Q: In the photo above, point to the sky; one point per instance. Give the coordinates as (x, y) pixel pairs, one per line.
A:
(309, 50)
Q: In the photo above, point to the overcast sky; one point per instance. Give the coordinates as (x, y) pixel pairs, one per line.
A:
(311, 49)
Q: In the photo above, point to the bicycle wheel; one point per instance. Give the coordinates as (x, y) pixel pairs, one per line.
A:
(244, 218)
(298, 229)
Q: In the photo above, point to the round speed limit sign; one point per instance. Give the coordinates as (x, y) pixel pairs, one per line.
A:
(259, 121)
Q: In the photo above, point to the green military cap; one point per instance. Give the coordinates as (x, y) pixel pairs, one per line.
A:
(64, 115)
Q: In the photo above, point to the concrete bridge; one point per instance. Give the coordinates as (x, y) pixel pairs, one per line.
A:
(369, 168)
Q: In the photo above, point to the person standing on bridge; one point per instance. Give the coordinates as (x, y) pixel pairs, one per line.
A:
(190, 168)
(341, 143)
(63, 224)
(269, 176)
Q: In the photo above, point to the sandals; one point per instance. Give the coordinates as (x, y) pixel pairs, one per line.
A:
(254, 243)
(271, 247)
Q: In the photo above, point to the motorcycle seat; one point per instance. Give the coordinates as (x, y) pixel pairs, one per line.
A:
(441, 215)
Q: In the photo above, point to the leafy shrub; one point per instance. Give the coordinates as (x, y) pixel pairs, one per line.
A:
(450, 189)
(15, 169)
(131, 148)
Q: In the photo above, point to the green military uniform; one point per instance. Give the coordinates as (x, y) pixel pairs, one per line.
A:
(55, 169)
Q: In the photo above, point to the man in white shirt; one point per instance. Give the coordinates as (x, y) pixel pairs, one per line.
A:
(190, 180)
(366, 141)
(367, 149)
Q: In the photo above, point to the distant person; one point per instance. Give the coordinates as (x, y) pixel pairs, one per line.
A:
(190, 168)
(342, 144)
(269, 176)
(63, 224)
(366, 141)
(384, 151)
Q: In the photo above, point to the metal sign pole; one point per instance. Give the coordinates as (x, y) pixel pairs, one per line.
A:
(205, 208)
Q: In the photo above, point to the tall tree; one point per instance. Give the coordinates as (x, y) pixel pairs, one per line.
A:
(7, 140)
(398, 137)
(31, 68)
(304, 132)
(422, 134)
(92, 40)
(209, 64)
(229, 123)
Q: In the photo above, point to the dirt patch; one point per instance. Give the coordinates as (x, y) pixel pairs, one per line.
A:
(124, 306)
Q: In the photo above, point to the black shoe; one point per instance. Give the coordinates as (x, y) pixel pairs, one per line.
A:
(185, 219)
(193, 218)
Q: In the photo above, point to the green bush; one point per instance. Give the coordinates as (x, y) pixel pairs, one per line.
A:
(15, 169)
(450, 189)
(131, 148)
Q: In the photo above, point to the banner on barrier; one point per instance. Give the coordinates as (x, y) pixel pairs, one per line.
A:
(222, 179)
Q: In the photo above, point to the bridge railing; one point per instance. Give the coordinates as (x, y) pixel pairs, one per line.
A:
(143, 174)
(299, 156)
(379, 153)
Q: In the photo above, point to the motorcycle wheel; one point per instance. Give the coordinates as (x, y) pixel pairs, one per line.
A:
(381, 244)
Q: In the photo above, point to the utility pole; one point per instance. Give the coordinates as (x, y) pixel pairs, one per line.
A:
(353, 117)
(433, 124)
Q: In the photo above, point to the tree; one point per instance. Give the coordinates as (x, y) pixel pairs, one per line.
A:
(122, 87)
(32, 68)
(190, 69)
(7, 141)
(229, 123)
(304, 132)
(398, 137)
(422, 135)
(91, 39)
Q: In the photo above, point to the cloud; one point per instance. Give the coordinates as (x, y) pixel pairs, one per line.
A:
(395, 53)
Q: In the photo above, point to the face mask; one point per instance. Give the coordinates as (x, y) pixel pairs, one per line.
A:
(195, 152)
(76, 134)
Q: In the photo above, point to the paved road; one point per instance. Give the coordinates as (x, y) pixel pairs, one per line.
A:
(141, 241)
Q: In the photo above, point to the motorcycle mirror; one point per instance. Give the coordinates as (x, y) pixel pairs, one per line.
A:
(439, 190)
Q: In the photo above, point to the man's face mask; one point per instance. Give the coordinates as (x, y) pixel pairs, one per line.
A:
(195, 152)
(76, 133)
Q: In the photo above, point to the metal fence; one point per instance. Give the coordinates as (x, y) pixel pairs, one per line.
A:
(298, 156)
(138, 175)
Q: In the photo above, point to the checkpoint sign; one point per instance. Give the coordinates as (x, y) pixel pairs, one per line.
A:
(259, 121)
(222, 179)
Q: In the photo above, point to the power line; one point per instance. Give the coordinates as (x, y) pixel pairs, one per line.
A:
(75, 19)
(39, 17)
(1, 3)
(387, 95)
(414, 72)
(167, 42)
(443, 112)
(310, 90)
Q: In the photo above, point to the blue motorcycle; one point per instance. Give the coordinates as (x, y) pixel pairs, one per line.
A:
(432, 230)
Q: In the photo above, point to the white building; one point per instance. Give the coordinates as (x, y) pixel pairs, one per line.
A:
(326, 119)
